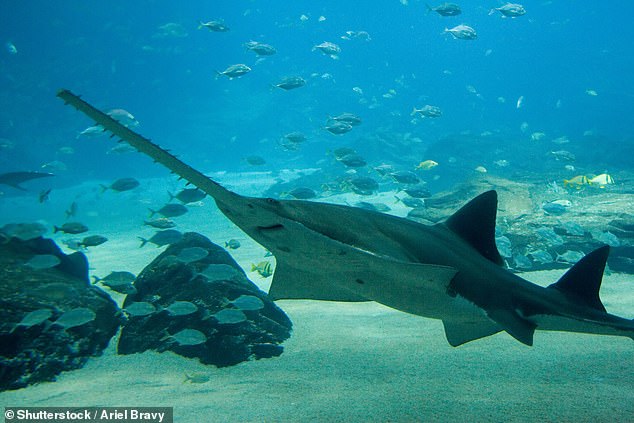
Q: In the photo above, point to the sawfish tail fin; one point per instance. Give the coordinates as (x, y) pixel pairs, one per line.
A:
(580, 285)
(582, 282)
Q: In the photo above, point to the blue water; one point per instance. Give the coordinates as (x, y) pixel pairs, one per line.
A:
(570, 61)
(115, 55)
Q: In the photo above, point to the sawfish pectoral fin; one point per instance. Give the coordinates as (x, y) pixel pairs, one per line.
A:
(458, 333)
(516, 326)
(291, 283)
(363, 280)
(345, 272)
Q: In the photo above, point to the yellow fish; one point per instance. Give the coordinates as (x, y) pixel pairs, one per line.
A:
(602, 180)
(427, 165)
(576, 182)
(263, 268)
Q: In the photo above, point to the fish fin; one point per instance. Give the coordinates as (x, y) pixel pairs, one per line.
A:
(583, 281)
(291, 283)
(362, 279)
(14, 179)
(516, 326)
(348, 273)
(475, 224)
(459, 333)
(365, 281)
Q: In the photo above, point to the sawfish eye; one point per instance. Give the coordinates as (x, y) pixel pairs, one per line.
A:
(272, 201)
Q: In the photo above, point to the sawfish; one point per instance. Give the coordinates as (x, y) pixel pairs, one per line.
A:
(451, 271)
(14, 179)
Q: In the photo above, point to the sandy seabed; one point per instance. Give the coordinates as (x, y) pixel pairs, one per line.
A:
(367, 363)
(358, 362)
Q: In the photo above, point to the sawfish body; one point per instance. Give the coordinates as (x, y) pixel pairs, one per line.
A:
(15, 179)
(451, 271)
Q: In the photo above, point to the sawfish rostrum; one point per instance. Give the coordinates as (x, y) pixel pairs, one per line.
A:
(450, 271)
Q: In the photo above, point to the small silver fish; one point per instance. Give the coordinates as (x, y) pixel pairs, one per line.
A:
(192, 254)
(570, 257)
(34, 318)
(197, 378)
(181, 308)
(220, 272)
(235, 71)
(462, 32)
(140, 309)
(24, 231)
(75, 317)
(248, 302)
(232, 244)
(229, 316)
(43, 261)
(188, 337)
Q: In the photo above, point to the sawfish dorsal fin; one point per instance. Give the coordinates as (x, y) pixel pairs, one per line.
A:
(583, 281)
(475, 224)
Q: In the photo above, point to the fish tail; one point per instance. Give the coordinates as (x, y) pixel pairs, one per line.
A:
(429, 9)
(172, 196)
(152, 212)
(253, 267)
(56, 229)
(103, 188)
(143, 241)
(96, 278)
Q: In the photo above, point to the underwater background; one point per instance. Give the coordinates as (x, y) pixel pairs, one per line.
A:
(150, 58)
(533, 105)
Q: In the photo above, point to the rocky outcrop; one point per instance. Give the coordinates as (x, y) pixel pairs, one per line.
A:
(51, 318)
(195, 300)
(532, 236)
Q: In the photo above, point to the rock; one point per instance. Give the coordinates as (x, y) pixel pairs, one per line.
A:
(520, 218)
(32, 347)
(621, 259)
(623, 226)
(513, 197)
(218, 332)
